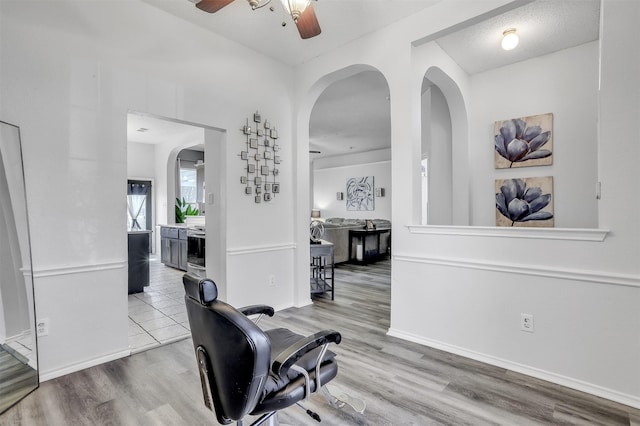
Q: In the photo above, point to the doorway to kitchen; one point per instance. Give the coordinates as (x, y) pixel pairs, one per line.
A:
(156, 313)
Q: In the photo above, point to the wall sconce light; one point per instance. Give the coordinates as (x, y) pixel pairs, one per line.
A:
(339, 196)
(315, 213)
(379, 192)
(509, 39)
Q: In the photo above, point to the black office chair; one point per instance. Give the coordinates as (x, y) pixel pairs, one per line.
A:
(247, 371)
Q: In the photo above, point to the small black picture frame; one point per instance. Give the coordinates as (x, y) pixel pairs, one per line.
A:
(369, 225)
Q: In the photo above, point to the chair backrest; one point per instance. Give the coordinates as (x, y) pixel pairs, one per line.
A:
(233, 354)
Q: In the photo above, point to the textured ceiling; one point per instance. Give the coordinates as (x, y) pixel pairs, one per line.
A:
(341, 21)
(343, 121)
(544, 26)
(352, 115)
(151, 130)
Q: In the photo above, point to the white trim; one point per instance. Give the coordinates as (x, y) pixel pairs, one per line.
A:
(590, 388)
(572, 234)
(546, 271)
(78, 269)
(260, 249)
(48, 375)
(347, 166)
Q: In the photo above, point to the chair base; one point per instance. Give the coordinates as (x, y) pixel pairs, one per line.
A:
(338, 399)
(267, 419)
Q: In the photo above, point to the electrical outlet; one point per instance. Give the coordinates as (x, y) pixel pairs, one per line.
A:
(272, 280)
(42, 327)
(526, 322)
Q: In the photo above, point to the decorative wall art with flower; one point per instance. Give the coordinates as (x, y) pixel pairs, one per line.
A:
(360, 193)
(525, 202)
(522, 142)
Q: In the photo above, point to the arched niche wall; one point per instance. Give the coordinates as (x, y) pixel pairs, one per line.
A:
(459, 157)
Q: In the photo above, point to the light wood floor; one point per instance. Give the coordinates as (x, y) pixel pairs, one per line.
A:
(402, 383)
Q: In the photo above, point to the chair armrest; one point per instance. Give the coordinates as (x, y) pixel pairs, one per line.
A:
(293, 353)
(257, 309)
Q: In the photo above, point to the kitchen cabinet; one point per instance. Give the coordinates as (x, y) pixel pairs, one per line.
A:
(173, 246)
(138, 250)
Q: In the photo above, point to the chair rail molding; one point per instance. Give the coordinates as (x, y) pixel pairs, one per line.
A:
(572, 234)
(52, 271)
(260, 249)
(546, 271)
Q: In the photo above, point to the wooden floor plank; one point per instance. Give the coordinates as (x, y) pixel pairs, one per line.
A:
(403, 383)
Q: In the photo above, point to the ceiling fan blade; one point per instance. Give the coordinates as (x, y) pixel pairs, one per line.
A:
(307, 23)
(212, 6)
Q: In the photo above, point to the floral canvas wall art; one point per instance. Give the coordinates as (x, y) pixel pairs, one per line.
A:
(360, 193)
(522, 142)
(525, 202)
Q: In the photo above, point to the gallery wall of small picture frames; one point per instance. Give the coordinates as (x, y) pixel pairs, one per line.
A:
(261, 158)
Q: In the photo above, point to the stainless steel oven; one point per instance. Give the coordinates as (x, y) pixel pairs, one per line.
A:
(196, 251)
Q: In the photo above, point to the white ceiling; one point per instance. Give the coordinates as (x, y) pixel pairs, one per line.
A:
(341, 22)
(352, 115)
(544, 26)
(152, 130)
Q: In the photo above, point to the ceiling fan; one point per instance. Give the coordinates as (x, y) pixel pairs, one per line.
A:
(300, 10)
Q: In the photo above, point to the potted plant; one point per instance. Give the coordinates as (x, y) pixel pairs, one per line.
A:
(184, 209)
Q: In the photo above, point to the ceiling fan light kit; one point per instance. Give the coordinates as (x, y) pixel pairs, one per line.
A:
(300, 11)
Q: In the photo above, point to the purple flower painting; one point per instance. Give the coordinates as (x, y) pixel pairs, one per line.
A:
(522, 142)
(524, 202)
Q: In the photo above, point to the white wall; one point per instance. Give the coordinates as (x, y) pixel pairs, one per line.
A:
(70, 87)
(140, 160)
(536, 87)
(437, 147)
(330, 176)
(582, 286)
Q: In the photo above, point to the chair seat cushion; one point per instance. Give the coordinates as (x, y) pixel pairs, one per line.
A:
(279, 393)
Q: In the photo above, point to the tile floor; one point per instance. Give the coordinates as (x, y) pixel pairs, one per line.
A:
(158, 315)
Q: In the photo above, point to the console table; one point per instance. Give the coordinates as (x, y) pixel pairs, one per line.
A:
(322, 268)
(369, 239)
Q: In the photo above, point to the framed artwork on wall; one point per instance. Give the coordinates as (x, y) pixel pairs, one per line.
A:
(523, 142)
(526, 202)
(360, 193)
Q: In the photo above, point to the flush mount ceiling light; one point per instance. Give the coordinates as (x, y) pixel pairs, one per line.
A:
(300, 11)
(509, 39)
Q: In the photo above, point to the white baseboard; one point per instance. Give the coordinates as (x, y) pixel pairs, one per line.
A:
(610, 394)
(52, 374)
